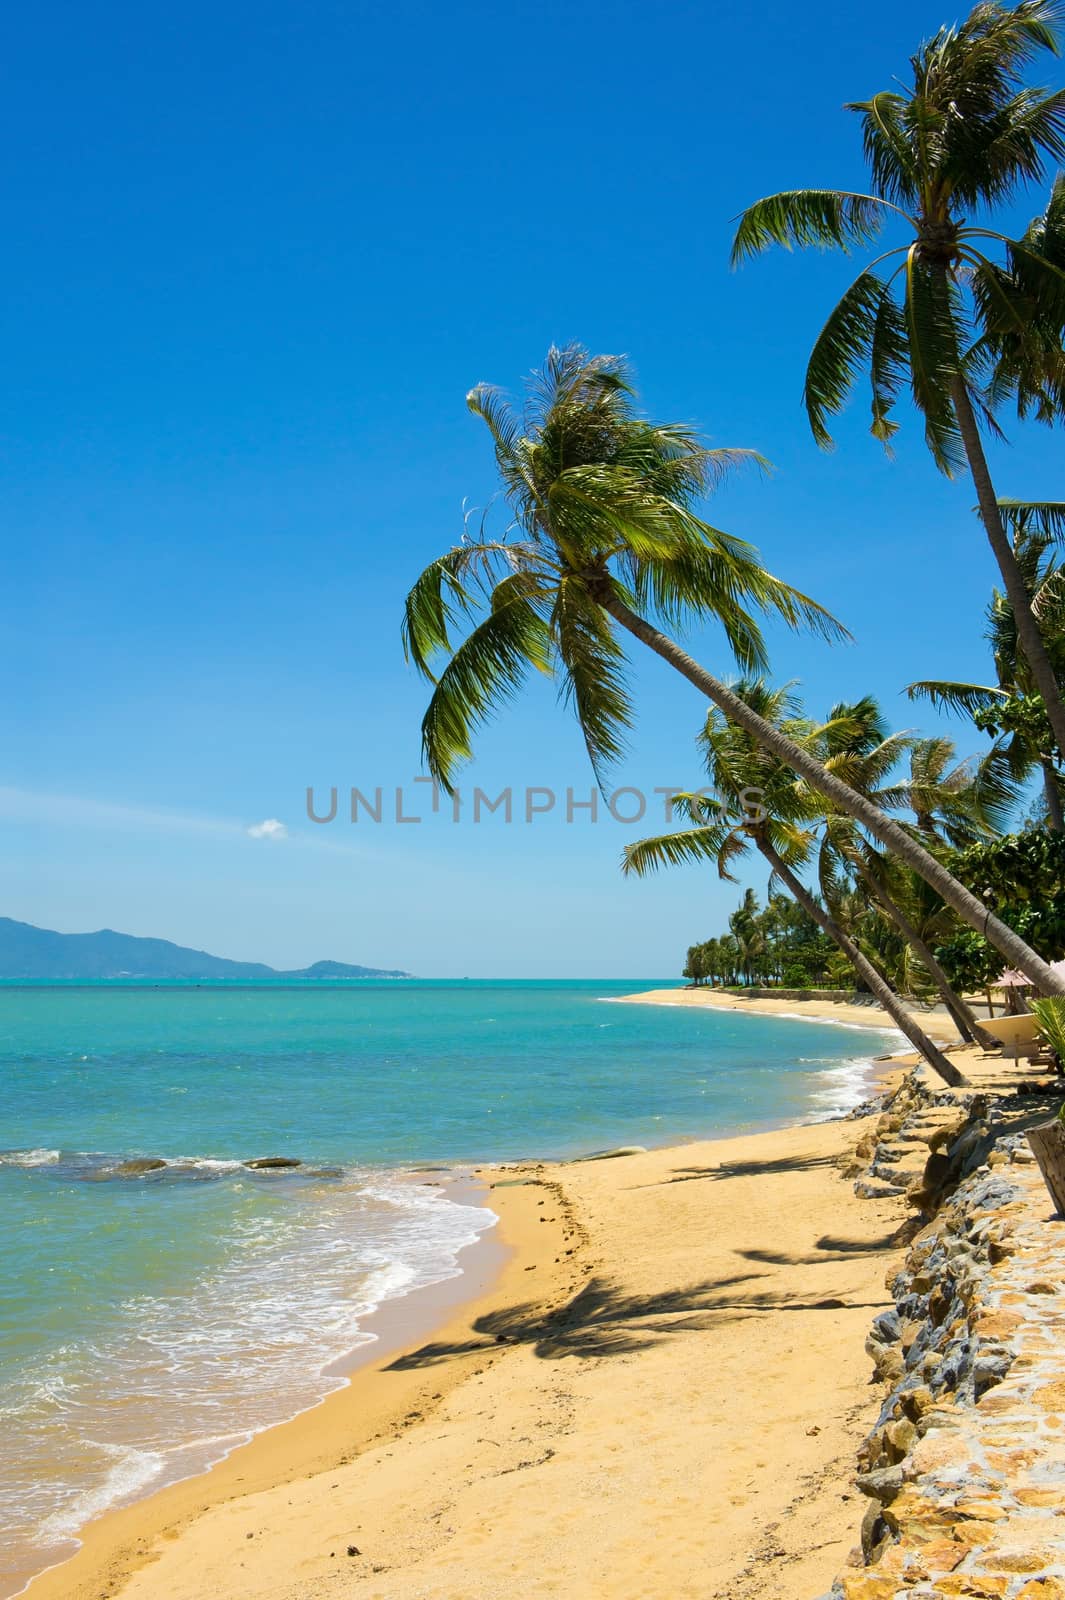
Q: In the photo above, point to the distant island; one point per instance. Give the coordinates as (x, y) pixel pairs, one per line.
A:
(39, 953)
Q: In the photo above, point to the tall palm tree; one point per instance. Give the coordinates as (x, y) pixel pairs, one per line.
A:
(750, 942)
(859, 746)
(727, 824)
(956, 803)
(968, 330)
(1011, 708)
(604, 530)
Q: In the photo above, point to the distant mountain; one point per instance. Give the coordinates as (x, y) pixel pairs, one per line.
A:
(35, 953)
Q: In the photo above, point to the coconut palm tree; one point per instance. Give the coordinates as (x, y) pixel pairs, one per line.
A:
(605, 535)
(776, 823)
(969, 331)
(749, 937)
(860, 748)
(956, 803)
(1011, 708)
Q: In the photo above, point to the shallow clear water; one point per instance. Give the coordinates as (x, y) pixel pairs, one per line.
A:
(149, 1321)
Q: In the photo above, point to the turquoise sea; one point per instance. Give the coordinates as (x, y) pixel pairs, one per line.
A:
(150, 1320)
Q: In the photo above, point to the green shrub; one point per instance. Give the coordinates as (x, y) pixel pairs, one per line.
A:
(1050, 1015)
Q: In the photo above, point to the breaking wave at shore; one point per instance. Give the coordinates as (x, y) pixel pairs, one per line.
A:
(175, 1380)
(208, 1192)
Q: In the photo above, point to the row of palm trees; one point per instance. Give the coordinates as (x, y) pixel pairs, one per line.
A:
(759, 804)
(775, 944)
(608, 544)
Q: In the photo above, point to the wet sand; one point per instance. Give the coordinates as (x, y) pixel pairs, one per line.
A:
(656, 1395)
(859, 1014)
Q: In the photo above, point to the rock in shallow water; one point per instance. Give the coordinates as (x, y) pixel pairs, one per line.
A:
(609, 1155)
(272, 1163)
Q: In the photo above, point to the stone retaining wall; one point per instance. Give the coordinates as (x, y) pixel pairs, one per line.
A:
(965, 1468)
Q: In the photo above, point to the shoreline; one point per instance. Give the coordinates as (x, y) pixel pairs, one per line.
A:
(110, 1542)
(394, 1324)
(549, 1224)
(383, 1330)
(398, 1322)
(843, 1013)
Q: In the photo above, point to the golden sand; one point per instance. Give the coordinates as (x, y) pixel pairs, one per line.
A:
(659, 1396)
(860, 1014)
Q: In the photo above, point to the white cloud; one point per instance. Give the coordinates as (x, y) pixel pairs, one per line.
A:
(270, 829)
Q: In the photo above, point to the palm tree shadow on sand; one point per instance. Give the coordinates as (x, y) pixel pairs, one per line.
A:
(747, 1169)
(602, 1320)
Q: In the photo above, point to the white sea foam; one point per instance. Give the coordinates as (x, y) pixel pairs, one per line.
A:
(132, 1472)
(28, 1158)
(260, 1337)
(839, 1087)
(872, 1026)
(837, 1022)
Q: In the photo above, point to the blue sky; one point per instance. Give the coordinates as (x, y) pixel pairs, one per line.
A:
(255, 259)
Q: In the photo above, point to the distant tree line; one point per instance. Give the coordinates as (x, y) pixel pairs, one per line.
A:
(774, 945)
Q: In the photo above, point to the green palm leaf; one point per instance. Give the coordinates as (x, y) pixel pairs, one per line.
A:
(688, 845)
(486, 671)
(932, 325)
(948, 696)
(1043, 517)
(830, 218)
(888, 150)
(593, 675)
(842, 348)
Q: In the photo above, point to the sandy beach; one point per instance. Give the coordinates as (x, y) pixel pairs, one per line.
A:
(658, 1395)
(860, 1014)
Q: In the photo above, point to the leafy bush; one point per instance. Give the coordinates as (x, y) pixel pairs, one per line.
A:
(1021, 877)
(1050, 1014)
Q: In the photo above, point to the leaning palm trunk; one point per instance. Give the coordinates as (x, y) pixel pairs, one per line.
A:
(898, 841)
(882, 991)
(964, 1017)
(1028, 634)
(1052, 793)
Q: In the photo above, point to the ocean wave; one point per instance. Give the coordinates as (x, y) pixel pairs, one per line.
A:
(838, 1088)
(838, 1022)
(872, 1026)
(259, 1337)
(28, 1158)
(132, 1472)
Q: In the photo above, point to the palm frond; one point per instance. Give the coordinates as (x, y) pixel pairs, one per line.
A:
(1028, 129)
(454, 585)
(1043, 517)
(994, 790)
(948, 696)
(688, 845)
(888, 149)
(829, 218)
(1048, 607)
(841, 349)
(593, 673)
(934, 347)
(888, 358)
(486, 671)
